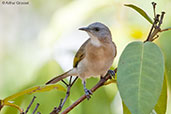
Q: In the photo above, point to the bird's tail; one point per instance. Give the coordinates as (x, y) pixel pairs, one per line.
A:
(56, 79)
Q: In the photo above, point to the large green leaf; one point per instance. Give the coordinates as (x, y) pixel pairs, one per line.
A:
(161, 105)
(140, 76)
(141, 12)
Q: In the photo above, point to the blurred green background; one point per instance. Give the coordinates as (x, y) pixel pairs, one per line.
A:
(39, 40)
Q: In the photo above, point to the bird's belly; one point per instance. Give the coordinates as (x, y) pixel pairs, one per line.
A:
(96, 68)
(100, 67)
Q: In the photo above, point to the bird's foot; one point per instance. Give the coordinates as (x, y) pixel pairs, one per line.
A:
(111, 73)
(88, 93)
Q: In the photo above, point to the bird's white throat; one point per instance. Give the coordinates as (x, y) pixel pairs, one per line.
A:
(95, 41)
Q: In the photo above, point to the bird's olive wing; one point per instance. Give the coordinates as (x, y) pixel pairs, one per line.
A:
(80, 54)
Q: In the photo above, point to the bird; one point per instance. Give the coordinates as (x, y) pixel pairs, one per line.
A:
(94, 58)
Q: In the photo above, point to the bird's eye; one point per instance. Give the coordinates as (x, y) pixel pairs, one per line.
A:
(96, 29)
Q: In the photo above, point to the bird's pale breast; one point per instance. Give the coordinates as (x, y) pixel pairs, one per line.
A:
(97, 60)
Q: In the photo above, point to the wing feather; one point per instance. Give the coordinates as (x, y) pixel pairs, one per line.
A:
(80, 54)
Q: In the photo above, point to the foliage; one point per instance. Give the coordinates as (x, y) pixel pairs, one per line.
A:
(140, 76)
(140, 11)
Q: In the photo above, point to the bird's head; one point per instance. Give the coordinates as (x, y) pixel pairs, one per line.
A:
(97, 30)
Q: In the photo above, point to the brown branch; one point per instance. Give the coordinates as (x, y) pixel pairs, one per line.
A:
(82, 98)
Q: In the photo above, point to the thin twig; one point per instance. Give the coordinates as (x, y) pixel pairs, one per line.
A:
(59, 107)
(157, 28)
(56, 110)
(67, 95)
(36, 108)
(165, 29)
(155, 37)
(30, 104)
(70, 79)
(156, 20)
(154, 23)
(161, 19)
(154, 8)
(64, 82)
(150, 33)
(74, 80)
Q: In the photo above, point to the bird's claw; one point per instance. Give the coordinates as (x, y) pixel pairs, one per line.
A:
(111, 73)
(88, 93)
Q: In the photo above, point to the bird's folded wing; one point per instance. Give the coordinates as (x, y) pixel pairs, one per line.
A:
(80, 54)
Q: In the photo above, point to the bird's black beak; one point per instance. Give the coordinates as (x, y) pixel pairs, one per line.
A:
(84, 29)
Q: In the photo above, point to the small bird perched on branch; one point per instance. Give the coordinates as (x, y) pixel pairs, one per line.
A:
(95, 56)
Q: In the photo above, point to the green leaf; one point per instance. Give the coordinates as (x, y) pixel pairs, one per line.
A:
(140, 11)
(161, 105)
(140, 76)
(34, 90)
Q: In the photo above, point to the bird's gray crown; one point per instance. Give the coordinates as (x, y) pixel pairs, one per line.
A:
(98, 25)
